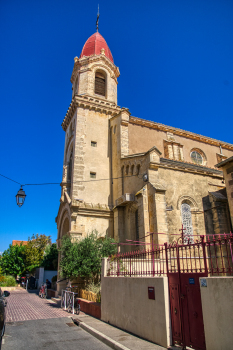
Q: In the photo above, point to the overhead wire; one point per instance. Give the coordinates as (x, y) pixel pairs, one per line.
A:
(10, 179)
(73, 182)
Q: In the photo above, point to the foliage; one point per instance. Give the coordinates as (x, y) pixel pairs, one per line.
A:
(82, 258)
(12, 261)
(50, 260)
(35, 250)
(7, 281)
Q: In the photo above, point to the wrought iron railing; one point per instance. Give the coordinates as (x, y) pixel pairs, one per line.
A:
(212, 256)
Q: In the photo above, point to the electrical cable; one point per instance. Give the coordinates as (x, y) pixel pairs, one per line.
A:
(10, 179)
(58, 183)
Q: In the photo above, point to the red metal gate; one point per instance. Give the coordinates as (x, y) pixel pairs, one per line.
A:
(185, 264)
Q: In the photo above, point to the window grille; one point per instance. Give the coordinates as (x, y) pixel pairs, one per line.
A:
(187, 223)
(196, 157)
(100, 84)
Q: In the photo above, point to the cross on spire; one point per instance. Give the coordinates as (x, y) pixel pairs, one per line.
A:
(97, 21)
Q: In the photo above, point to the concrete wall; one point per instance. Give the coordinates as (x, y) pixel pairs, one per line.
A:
(125, 304)
(217, 307)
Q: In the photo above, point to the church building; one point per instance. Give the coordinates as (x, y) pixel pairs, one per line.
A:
(126, 176)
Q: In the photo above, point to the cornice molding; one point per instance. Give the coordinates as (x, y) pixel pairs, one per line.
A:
(180, 132)
(90, 209)
(91, 103)
(189, 167)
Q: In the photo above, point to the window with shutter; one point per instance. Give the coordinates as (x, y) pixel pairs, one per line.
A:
(100, 84)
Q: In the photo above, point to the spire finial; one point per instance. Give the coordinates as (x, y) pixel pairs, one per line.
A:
(97, 21)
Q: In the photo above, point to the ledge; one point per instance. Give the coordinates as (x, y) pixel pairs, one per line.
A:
(165, 162)
(90, 102)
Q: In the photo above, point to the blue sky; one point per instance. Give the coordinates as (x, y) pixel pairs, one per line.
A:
(175, 60)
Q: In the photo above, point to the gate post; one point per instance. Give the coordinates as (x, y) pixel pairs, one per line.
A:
(204, 254)
(166, 255)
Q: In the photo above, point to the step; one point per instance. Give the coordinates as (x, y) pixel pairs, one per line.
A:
(56, 300)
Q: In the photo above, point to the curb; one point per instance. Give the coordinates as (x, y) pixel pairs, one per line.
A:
(102, 337)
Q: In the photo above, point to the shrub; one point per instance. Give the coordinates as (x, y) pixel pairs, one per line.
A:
(92, 287)
(7, 281)
(82, 258)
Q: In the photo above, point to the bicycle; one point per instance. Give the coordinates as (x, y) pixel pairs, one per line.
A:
(73, 303)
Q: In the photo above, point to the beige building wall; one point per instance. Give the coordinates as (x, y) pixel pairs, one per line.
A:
(89, 159)
(217, 308)
(142, 138)
(125, 304)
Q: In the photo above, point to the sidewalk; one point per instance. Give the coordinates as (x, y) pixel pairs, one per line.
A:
(112, 336)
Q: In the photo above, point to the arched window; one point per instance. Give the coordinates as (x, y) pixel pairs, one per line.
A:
(198, 156)
(132, 169)
(70, 165)
(138, 169)
(100, 83)
(187, 223)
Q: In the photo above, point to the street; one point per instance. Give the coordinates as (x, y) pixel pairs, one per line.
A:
(35, 323)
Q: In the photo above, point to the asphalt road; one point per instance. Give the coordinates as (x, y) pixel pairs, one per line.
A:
(52, 334)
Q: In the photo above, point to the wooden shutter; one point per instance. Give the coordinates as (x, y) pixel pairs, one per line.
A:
(100, 84)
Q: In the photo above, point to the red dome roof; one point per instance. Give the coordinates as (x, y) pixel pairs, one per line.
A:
(94, 44)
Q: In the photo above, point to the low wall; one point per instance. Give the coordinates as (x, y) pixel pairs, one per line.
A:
(217, 308)
(90, 308)
(51, 293)
(125, 304)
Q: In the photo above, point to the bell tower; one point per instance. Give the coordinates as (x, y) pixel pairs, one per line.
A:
(86, 203)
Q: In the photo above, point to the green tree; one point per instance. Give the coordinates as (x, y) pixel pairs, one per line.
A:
(83, 257)
(35, 250)
(12, 261)
(50, 260)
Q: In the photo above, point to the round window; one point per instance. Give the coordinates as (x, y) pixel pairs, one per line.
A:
(196, 157)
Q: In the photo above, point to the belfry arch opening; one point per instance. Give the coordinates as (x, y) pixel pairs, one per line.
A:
(100, 83)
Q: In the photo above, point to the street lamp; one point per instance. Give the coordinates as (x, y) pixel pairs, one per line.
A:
(20, 197)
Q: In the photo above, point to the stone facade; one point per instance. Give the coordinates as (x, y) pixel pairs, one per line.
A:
(125, 176)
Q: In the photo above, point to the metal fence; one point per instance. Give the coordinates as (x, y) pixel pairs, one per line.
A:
(213, 256)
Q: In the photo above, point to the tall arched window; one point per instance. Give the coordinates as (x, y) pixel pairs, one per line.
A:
(100, 83)
(70, 165)
(187, 223)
